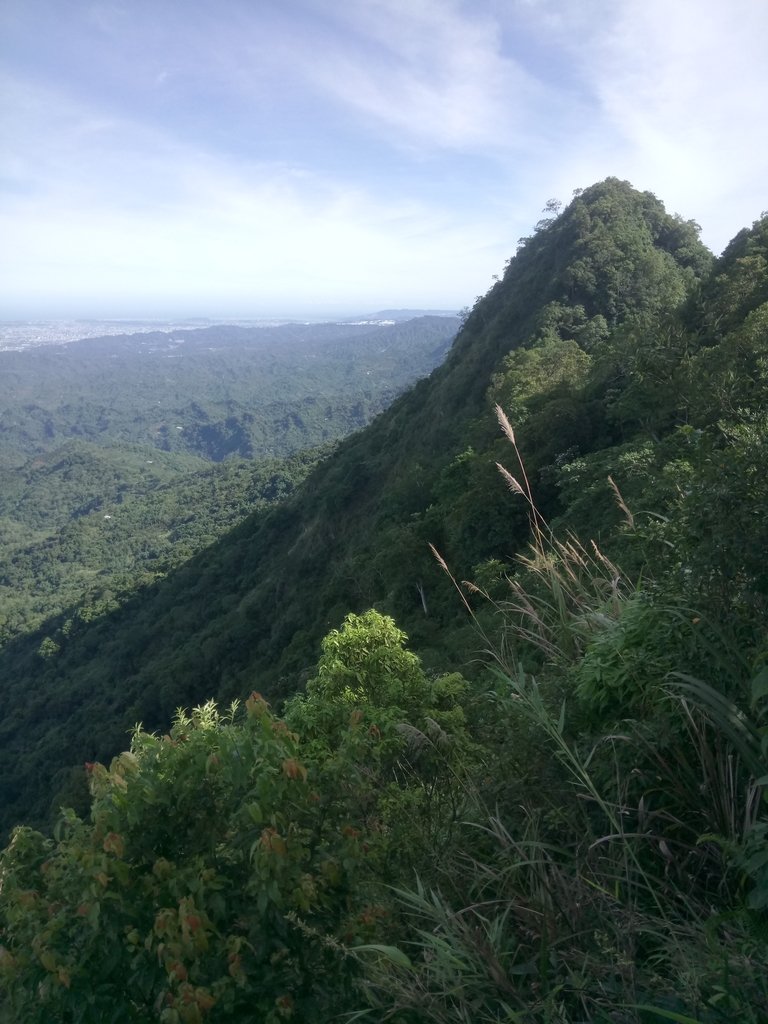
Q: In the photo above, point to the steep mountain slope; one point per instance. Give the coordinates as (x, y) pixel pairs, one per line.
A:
(249, 611)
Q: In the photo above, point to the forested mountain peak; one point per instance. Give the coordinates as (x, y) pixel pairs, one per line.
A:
(611, 255)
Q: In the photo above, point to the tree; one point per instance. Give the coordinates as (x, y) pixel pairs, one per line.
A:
(388, 740)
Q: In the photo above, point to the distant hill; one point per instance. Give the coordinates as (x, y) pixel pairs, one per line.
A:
(214, 392)
(406, 314)
(98, 437)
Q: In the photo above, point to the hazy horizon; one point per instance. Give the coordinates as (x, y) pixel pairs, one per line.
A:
(18, 334)
(311, 315)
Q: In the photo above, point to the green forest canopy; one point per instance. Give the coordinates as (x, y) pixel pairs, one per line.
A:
(107, 445)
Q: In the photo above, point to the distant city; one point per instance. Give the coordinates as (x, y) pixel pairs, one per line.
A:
(16, 335)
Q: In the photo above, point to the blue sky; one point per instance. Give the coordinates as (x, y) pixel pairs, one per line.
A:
(234, 158)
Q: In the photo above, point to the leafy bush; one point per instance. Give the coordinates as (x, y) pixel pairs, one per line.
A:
(205, 886)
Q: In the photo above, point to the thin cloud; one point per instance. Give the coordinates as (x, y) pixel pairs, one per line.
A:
(169, 220)
(429, 73)
(679, 94)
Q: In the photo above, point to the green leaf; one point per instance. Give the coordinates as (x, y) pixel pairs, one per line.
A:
(392, 953)
(680, 1018)
(760, 685)
(724, 715)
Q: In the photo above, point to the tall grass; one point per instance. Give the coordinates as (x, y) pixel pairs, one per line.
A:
(630, 888)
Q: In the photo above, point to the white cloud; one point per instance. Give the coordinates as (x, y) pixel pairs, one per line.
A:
(118, 211)
(261, 245)
(681, 91)
(428, 72)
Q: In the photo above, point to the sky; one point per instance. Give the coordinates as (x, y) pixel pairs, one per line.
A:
(253, 158)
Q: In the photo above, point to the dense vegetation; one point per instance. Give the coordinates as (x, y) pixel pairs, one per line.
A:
(573, 828)
(106, 444)
(88, 525)
(215, 392)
